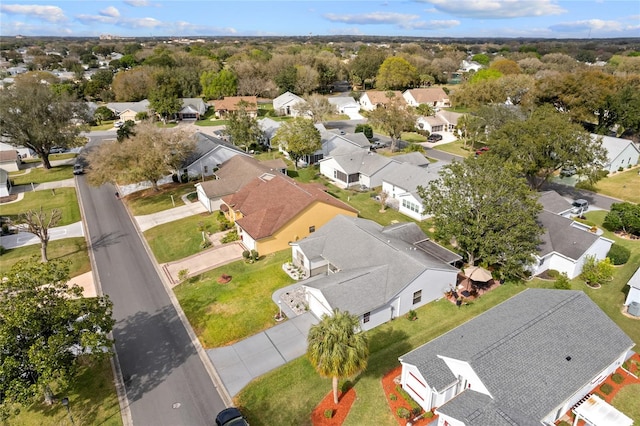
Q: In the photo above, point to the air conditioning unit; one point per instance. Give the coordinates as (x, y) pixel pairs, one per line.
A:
(634, 309)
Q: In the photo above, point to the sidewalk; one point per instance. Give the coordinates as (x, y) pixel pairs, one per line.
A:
(66, 183)
(26, 238)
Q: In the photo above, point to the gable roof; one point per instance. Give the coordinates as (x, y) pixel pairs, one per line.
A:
(428, 95)
(269, 202)
(408, 177)
(207, 145)
(269, 126)
(374, 262)
(334, 144)
(553, 202)
(614, 146)
(379, 97)
(237, 171)
(343, 101)
(9, 156)
(449, 116)
(287, 98)
(230, 103)
(562, 237)
(634, 281)
(415, 158)
(532, 353)
(193, 105)
(119, 107)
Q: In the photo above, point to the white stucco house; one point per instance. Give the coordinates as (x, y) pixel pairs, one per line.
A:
(634, 289)
(5, 183)
(435, 97)
(466, 66)
(192, 109)
(526, 362)
(285, 104)
(359, 168)
(346, 105)
(620, 152)
(129, 110)
(377, 273)
(443, 121)
(372, 99)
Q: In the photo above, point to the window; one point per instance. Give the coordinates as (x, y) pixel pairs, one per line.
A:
(312, 229)
(206, 170)
(366, 317)
(417, 297)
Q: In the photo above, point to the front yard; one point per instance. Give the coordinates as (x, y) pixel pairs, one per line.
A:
(221, 314)
(622, 185)
(149, 201)
(72, 249)
(62, 198)
(42, 175)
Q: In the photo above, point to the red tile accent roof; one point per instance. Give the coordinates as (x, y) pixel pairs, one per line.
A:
(269, 202)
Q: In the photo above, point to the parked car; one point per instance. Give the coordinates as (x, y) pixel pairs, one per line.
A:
(434, 137)
(78, 169)
(378, 145)
(568, 171)
(118, 124)
(579, 206)
(482, 150)
(56, 150)
(231, 417)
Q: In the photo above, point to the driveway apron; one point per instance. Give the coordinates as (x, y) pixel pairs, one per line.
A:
(242, 362)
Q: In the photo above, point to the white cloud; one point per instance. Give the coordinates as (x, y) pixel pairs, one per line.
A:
(587, 25)
(373, 18)
(110, 11)
(432, 25)
(89, 19)
(141, 23)
(47, 13)
(497, 9)
(137, 3)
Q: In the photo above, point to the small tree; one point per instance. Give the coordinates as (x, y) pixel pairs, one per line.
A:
(393, 119)
(299, 137)
(383, 197)
(38, 222)
(597, 272)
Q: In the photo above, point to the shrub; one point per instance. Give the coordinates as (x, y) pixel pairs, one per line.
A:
(617, 378)
(620, 169)
(366, 129)
(392, 396)
(428, 414)
(205, 244)
(416, 411)
(246, 254)
(403, 413)
(606, 388)
(407, 398)
(563, 423)
(254, 255)
(585, 184)
(230, 237)
(183, 274)
(623, 217)
(412, 315)
(597, 272)
(328, 413)
(552, 273)
(562, 282)
(618, 254)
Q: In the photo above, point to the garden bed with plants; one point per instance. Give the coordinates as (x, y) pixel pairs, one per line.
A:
(403, 407)
(327, 413)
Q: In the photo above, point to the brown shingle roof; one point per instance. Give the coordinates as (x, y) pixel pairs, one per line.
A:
(237, 171)
(380, 97)
(230, 103)
(8, 156)
(429, 95)
(269, 203)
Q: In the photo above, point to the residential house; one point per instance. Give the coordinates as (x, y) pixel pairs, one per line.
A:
(126, 111)
(621, 153)
(231, 103)
(5, 183)
(269, 127)
(372, 99)
(442, 121)
(401, 186)
(232, 175)
(358, 168)
(526, 361)
(23, 152)
(346, 105)
(413, 158)
(10, 161)
(287, 104)
(467, 66)
(566, 244)
(634, 289)
(274, 210)
(435, 97)
(337, 144)
(377, 273)
(192, 109)
(554, 203)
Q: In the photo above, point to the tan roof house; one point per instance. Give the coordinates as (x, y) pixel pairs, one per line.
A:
(10, 160)
(232, 175)
(373, 99)
(230, 104)
(432, 96)
(273, 210)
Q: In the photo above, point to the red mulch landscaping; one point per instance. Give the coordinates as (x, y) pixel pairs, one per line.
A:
(224, 279)
(389, 387)
(340, 411)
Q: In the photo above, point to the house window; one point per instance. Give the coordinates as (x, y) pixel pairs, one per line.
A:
(417, 297)
(366, 317)
(312, 229)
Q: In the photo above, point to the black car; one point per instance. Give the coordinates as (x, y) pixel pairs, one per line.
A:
(230, 417)
(434, 137)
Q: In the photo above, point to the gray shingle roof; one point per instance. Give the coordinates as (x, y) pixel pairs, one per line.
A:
(563, 238)
(532, 352)
(634, 281)
(409, 177)
(375, 263)
(415, 158)
(205, 144)
(553, 202)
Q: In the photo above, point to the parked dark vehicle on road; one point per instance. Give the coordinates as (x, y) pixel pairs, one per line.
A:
(434, 137)
(230, 417)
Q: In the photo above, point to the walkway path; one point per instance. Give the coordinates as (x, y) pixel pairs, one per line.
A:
(204, 261)
(150, 220)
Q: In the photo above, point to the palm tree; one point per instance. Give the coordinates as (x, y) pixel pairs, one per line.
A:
(336, 347)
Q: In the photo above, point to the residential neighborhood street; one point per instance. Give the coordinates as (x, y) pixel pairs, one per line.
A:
(164, 376)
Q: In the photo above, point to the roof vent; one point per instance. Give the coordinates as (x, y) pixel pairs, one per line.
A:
(568, 358)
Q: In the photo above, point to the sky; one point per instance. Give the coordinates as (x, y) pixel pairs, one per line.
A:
(414, 18)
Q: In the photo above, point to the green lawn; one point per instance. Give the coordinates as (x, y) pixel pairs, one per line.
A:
(41, 175)
(288, 394)
(63, 199)
(106, 125)
(221, 314)
(622, 185)
(626, 400)
(52, 157)
(72, 249)
(92, 401)
(149, 201)
(413, 137)
(209, 123)
(180, 238)
(455, 148)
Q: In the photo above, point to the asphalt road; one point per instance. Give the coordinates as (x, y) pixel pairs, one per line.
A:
(165, 380)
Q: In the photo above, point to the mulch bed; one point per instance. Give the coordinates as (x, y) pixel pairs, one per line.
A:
(224, 279)
(340, 411)
(389, 386)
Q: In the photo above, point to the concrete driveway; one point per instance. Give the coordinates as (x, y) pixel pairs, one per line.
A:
(252, 357)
